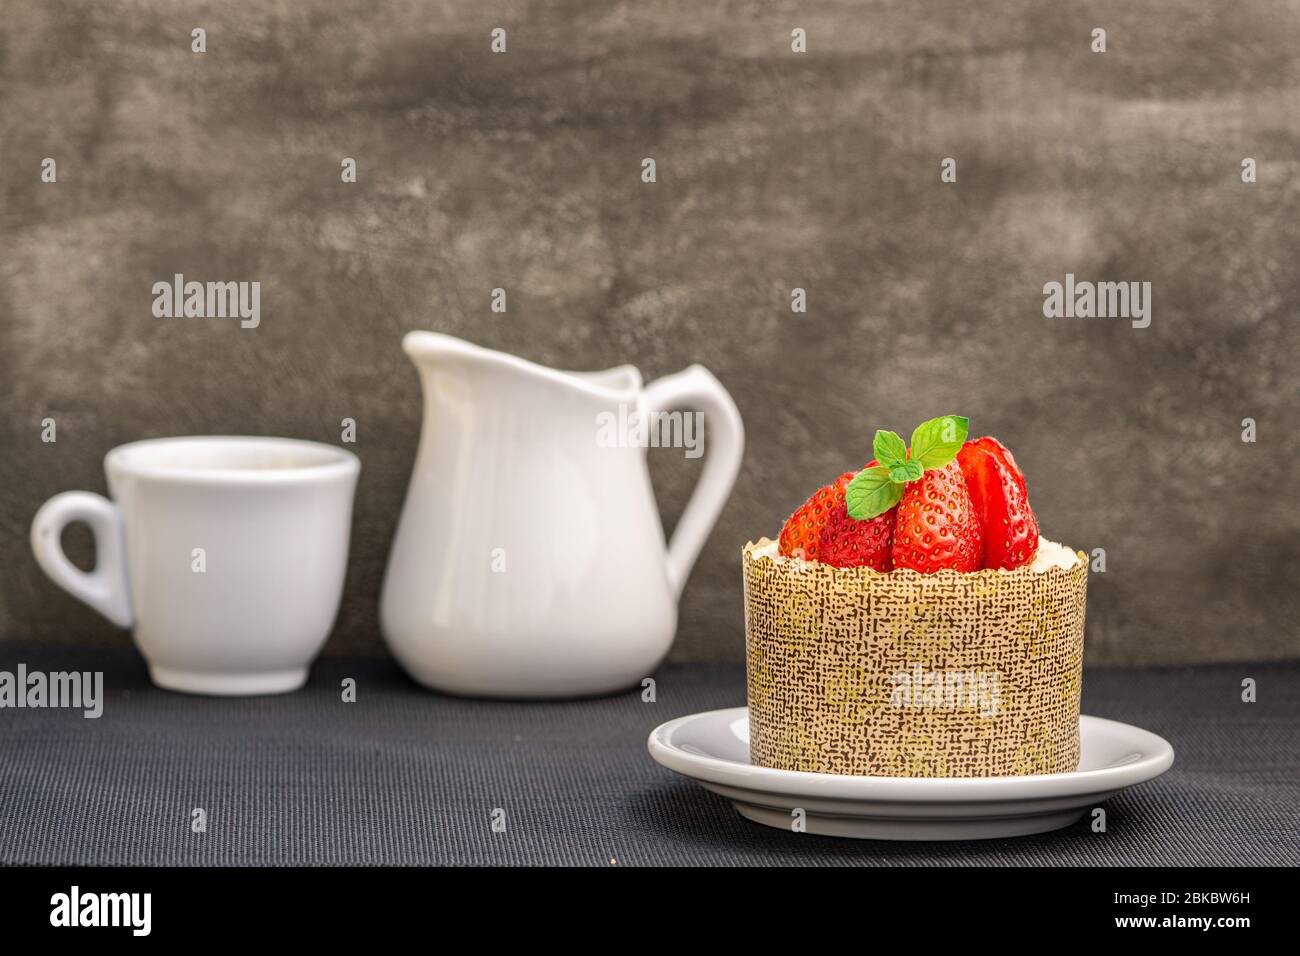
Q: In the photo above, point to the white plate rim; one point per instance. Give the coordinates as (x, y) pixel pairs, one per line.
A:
(1157, 757)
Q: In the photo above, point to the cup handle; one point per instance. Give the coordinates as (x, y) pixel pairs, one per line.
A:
(104, 588)
(696, 389)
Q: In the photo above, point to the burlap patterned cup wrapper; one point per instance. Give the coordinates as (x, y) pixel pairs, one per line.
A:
(911, 675)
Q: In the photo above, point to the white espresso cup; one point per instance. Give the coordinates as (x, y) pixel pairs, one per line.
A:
(225, 555)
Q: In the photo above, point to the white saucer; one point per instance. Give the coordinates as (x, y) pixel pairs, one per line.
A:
(713, 748)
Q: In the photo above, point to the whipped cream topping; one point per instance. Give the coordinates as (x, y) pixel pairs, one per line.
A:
(1049, 555)
(1053, 555)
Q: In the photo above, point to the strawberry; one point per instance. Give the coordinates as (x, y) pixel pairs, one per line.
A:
(937, 526)
(997, 490)
(938, 503)
(801, 535)
(849, 543)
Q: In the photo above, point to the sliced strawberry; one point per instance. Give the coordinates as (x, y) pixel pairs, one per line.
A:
(936, 526)
(801, 535)
(1001, 501)
(849, 543)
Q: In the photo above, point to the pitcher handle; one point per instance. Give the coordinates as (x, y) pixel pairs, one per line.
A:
(696, 389)
(105, 587)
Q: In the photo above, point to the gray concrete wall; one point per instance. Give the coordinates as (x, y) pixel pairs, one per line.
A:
(775, 170)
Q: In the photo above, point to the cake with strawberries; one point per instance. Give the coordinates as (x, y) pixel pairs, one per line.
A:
(910, 620)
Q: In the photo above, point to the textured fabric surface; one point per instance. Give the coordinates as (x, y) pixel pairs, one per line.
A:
(404, 776)
(823, 646)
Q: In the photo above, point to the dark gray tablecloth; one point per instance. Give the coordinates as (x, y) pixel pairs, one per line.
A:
(404, 776)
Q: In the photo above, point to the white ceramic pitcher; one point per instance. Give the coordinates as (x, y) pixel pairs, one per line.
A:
(530, 560)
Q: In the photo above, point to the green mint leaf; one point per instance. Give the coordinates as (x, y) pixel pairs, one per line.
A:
(936, 442)
(906, 471)
(889, 448)
(872, 492)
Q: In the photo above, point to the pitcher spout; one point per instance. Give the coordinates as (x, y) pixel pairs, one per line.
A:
(434, 350)
(428, 347)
